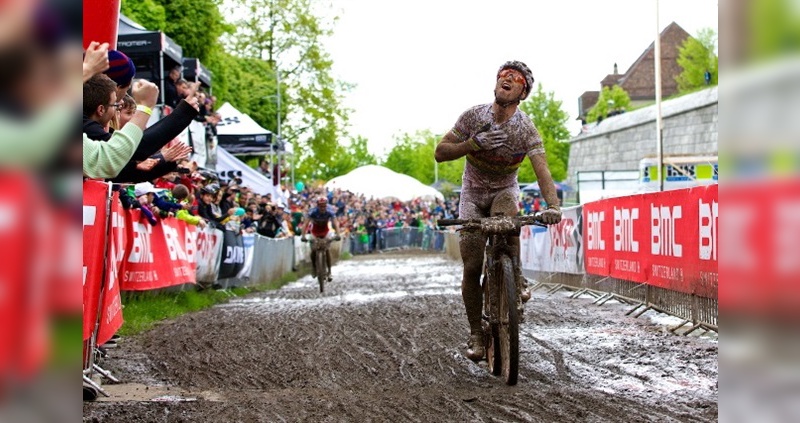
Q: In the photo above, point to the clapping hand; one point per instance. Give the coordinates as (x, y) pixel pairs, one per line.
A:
(176, 151)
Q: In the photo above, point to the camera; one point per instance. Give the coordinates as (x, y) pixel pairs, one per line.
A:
(184, 170)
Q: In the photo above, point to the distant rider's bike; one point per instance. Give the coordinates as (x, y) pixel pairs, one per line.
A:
(319, 249)
(500, 294)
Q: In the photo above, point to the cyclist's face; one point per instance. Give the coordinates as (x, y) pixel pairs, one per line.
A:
(510, 85)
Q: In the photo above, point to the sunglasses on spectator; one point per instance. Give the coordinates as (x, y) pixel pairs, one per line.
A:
(117, 105)
(516, 76)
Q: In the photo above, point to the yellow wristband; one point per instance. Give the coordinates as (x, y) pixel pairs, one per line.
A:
(145, 109)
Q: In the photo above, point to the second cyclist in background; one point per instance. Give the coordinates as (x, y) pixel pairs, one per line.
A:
(317, 220)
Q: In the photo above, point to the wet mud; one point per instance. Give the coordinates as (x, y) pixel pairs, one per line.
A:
(386, 342)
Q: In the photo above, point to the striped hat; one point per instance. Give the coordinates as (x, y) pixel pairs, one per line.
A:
(121, 70)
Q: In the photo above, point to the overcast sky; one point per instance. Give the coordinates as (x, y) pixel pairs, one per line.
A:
(418, 64)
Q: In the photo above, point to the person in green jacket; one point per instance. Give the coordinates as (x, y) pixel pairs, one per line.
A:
(181, 194)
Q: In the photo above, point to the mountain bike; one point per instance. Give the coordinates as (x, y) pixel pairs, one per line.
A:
(500, 293)
(319, 256)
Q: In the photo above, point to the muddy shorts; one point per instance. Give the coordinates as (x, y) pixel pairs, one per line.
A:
(478, 203)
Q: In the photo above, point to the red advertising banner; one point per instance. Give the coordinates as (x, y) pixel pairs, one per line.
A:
(666, 239)
(111, 315)
(762, 239)
(158, 256)
(95, 195)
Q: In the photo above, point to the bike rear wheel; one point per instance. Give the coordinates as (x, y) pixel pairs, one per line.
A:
(322, 269)
(508, 330)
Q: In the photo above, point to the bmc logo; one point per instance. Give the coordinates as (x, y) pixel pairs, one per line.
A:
(593, 229)
(173, 243)
(141, 251)
(708, 214)
(662, 231)
(623, 230)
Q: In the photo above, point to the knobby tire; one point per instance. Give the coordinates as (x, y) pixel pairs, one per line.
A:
(509, 322)
(322, 269)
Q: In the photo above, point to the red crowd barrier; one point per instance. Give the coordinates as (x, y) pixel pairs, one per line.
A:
(123, 251)
(172, 241)
(665, 239)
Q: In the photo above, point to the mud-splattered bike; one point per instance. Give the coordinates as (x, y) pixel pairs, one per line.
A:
(500, 293)
(320, 260)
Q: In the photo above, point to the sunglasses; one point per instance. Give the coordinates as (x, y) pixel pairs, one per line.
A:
(516, 76)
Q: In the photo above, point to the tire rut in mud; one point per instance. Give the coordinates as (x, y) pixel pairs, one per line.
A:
(385, 342)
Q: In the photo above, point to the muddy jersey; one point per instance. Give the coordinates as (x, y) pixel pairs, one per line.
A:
(496, 169)
(319, 220)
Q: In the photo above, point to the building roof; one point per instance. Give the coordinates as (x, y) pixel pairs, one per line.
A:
(647, 114)
(638, 80)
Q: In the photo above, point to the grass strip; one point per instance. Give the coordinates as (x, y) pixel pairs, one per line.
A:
(144, 309)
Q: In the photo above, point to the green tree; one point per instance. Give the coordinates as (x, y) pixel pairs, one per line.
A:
(412, 155)
(287, 35)
(551, 121)
(196, 25)
(147, 13)
(346, 157)
(615, 99)
(696, 57)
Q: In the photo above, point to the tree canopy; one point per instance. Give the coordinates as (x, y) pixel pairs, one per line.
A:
(613, 100)
(696, 57)
(263, 43)
(551, 121)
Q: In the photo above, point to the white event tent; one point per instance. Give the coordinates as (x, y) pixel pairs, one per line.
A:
(379, 182)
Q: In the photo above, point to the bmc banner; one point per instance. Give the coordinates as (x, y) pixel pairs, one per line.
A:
(158, 256)
(95, 198)
(556, 248)
(666, 239)
(111, 314)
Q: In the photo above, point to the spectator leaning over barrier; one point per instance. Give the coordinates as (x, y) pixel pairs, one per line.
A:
(99, 101)
(125, 112)
(269, 224)
(144, 193)
(142, 167)
(181, 194)
(121, 70)
(284, 229)
(208, 209)
(107, 159)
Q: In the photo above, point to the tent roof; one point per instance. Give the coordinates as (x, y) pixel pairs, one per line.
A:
(238, 133)
(380, 182)
(134, 39)
(193, 69)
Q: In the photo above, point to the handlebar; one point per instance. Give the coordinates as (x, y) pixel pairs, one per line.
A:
(496, 224)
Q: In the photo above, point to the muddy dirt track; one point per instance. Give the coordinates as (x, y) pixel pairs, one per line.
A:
(385, 342)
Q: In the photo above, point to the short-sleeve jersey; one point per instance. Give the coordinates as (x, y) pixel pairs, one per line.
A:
(320, 218)
(496, 169)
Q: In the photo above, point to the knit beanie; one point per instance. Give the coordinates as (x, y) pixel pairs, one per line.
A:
(121, 70)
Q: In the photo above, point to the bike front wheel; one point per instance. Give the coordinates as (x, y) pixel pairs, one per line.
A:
(508, 331)
(322, 269)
